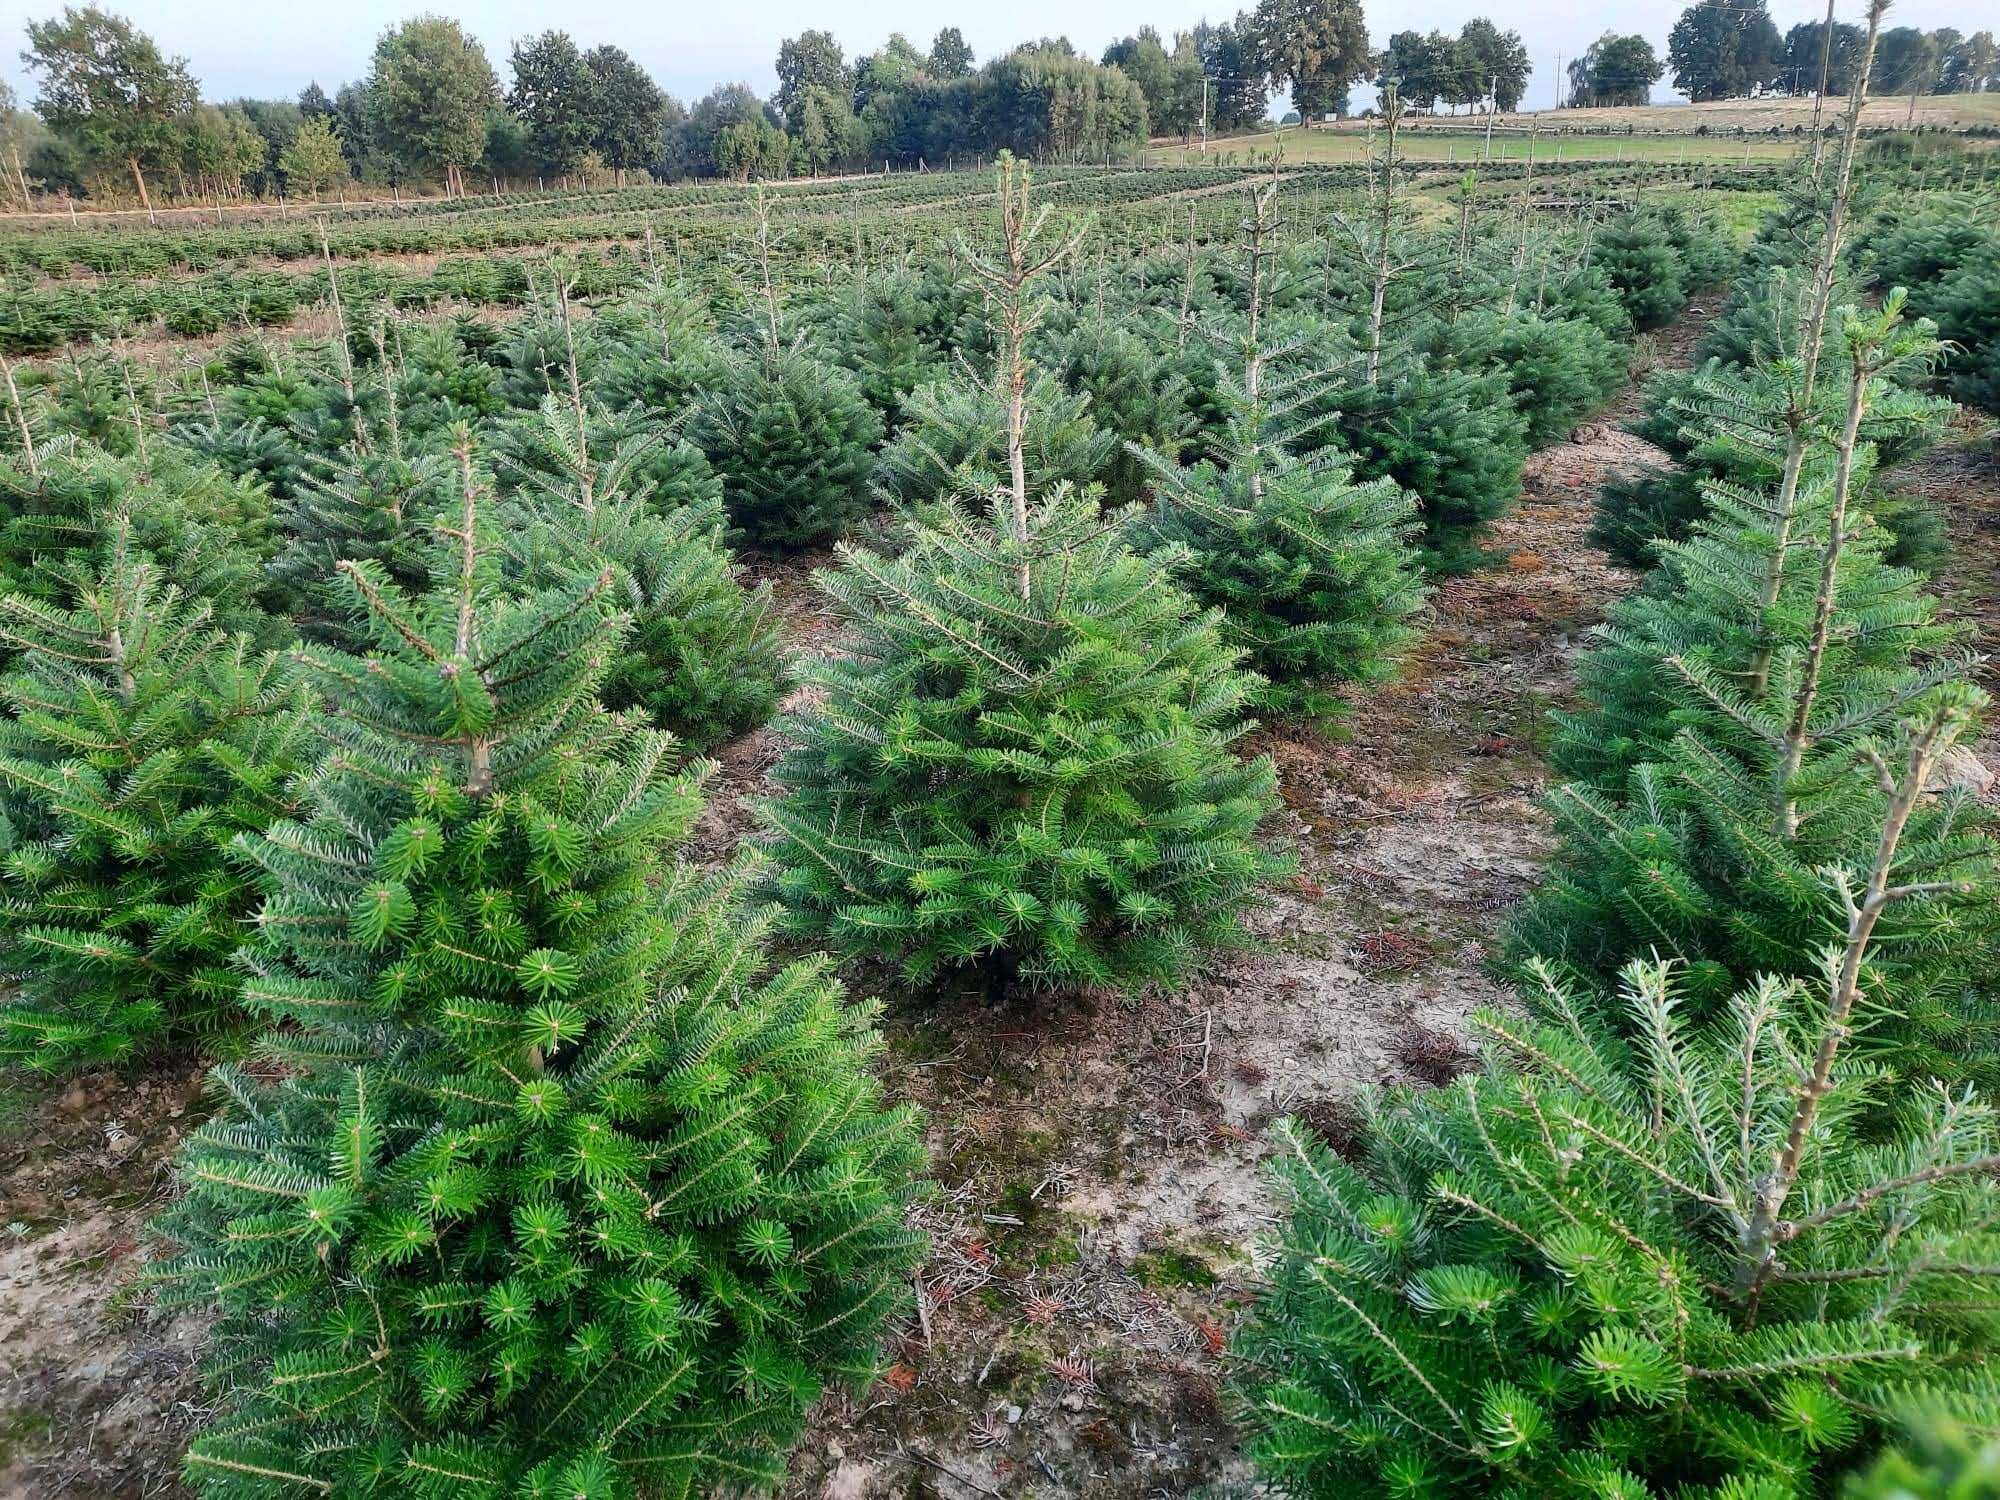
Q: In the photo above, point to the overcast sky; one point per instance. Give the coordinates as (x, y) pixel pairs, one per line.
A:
(272, 50)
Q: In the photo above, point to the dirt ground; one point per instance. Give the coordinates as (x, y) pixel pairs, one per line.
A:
(1099, 1198)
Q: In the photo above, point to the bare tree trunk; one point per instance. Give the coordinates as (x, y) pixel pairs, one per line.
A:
(145, 198)
(1812, 337)
(1819, 94)
(1393, 115)
(1798, 732)
(1766, 1229)
(21, 418)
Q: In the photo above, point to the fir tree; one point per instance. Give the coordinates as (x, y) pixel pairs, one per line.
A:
(1453, 438)
(1730, 424)
(1315, 575)
(794, 441)
(208, 534)
(1649, 277)
(1024, 764)
(546, 1189)
(1726, 752)
(1558, 370)
(140, 741)
(954, 437)
(1674, 1269)
(1134, 394)
(702, 659)
(374, 507)
(880, 332)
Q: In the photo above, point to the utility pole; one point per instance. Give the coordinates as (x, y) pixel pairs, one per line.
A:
(1204, 113)
(1559, 80)
(1492, 108)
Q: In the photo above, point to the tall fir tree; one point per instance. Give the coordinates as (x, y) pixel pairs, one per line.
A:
(546, 1186)
(1700, 1264)
(1024, 766)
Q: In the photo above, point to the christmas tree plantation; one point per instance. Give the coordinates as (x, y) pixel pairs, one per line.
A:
(547, 1187)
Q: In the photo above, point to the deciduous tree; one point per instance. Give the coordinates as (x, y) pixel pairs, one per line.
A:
(314, 161)
(1616, 70)
(555, 93)
(1722, 49)
(1317, 48)
(429, 92)
(107, 86)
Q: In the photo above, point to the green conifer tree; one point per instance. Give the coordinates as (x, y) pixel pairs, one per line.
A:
(1134, 393)
(794, 441)
(1025, 763)
(954, 437)
(703, 657)
(1316, 576)
(1678, 1267)
(547, 1188)
(1725, 761)
(373, 507)
(140, 741)
(208, 534)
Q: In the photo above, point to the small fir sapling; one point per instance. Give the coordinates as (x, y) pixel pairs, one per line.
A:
(703, 658)
(140, 740)
(1315, 575)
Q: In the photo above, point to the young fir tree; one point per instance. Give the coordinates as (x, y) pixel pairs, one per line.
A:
(139, 742)
(207, 533)
(371, 507)
(1134, 393)
(1677, 1267)
(792, 435)
(794, 441)
(548, 1187)
(1726, 751)
(1024, 765)
(703, 659)
(1316, 576)
(879, 331)
(1730, 424)
(954, 437)
(1725, 759)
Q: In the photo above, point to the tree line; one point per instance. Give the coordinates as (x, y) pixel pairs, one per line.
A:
(1725, 49)
(115, 114)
